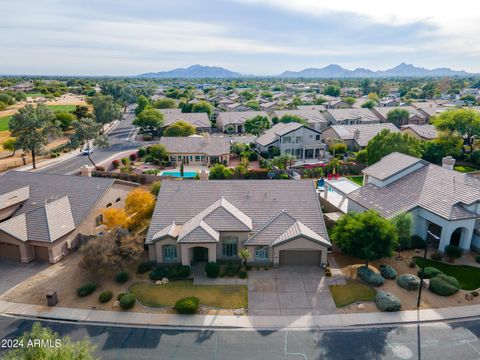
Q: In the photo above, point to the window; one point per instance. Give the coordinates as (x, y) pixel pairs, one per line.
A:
(261, 253)
(169, 253)
(298, 139)
(229, 246)
(287, 151)
(299, 153)
(287, 140)
(99, 220)
(109, 205)
(197, 157)
(317, 137)
(118, 200)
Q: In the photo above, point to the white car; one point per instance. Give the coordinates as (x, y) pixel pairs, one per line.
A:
(87, 151)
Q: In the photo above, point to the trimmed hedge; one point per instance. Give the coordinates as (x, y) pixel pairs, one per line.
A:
(408, 281)
(212, 269)
(105, 296)
(242, 274)
(188, 305)
(86, 289)
(119, 296)
(369, 276)
(444, 285)
(386, 301)
(121, 277)
(172, 272)
(453, 252)
(430, 272)
(145, 266)
(127, 301)
(388, 272)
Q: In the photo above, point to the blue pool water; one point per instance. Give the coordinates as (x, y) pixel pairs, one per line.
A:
(186, 174)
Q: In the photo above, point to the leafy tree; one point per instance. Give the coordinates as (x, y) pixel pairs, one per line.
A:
(81, 111)
(386, 142)
(155, 188)
(288, 118)
(149, 121)
(257, 125)
(7, 99)
(11, 145)
(247, 95)
(238, 148)
(435, 150)
(398, 116)
(202, 106)
(219, 171)
(158, 152)
(65, 119)
(349, 100)
(31, 127)
(142, 104)
(105, 110)
(63, 348)
(165, 104)
(253, 104)
(463, 122)
(320, 100)
(88, 133)
(115, 218)
(403, 225)
(469, 98)
(126, 96)
(283, 161)
(244, 255)
(373, 97)
(368, 104)
(337, 148)
(139, 206)
(179, 129)
(332, 90)
(361, 156)
(365, 235)
(3, 106)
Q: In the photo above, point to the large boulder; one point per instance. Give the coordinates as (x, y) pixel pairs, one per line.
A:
(386, 301)
(388, 272)
(370, 276)
(408, 281)
(444, 285)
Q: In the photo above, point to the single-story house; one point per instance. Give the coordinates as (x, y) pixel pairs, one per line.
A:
(292, 139)
(424, 132)
(234, 107)
(200, 221)
(388, 103)
(199, 121)
(234, 121)
(350, 116)
(46, 217)
(356, 137)
(444, 203)
(197, 150)
(269, 106)
(313, 118)
(414, 115)
(336, 104)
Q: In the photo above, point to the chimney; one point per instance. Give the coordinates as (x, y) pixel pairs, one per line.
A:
(356, 134)
(86, 170)
(448, 162)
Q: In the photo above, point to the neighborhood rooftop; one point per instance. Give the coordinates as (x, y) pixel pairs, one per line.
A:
(209, 145)
(279, 129)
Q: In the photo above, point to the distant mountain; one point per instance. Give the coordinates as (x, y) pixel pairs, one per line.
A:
(194, 71)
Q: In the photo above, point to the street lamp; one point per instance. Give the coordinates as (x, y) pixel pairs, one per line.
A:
(436, 237)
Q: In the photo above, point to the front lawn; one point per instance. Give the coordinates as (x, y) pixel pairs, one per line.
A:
(467, 276)
(353, 291)
(4, 122)
(62, 107)
(221, 296)
(356, 179)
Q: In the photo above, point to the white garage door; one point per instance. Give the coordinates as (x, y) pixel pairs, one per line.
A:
(300, 257)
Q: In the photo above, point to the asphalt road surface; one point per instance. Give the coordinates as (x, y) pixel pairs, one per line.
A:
(437, 341)
(121, 138)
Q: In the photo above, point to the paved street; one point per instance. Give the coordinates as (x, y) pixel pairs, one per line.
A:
(121, 138)
(437, 341)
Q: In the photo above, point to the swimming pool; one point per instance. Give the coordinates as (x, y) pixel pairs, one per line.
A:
(186, 174)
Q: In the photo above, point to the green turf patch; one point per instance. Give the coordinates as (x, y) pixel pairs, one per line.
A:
(467, 276)
(62, 107)
(356, 179)
(353, 291)
(4, 122)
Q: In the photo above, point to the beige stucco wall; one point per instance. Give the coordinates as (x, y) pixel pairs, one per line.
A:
(156, 250)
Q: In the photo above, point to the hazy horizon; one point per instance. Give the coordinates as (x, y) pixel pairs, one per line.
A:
(254, 37)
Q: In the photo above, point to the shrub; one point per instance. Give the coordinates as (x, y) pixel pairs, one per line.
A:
(157, 274)
(86, 289)
(232, 269)
(127, 301)
(115, 164)
(369, 276)
(212, 269)
(248, 267)
(121, 277)
(188, 305)
(283, 176)
(133, 156)
(417, 242)
(181, 271)
(99, 168)
(388, 272)
(119, 296)
(105, 296)
(408, 281)
(474, 293)
(242, 274)
(429, 272)
(453, 252)
(141, 152)
(436, 256)
(477, 259)
(386, 301)
(444, 285)
(145, 266)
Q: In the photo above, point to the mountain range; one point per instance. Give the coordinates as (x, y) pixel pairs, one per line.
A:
(330, 71)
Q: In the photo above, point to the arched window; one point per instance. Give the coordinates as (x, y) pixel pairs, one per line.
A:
(118, 200)
(169, 253)
(229, 246)
(261, 253)
(109, 205)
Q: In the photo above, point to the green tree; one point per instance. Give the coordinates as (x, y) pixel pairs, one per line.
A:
(404, 225)
(247, 95)
(349, 100)
(244, 255)
(63, 348)
(253, 104)
(373, 97)
(365, 235)
(105, 110)
(149, 121)
(11, 145)
(165, 103)
(158, 152)
(398, 116)
(387, 142)
(81, 111)
(179, 129)
(31, 127)
(65, 119)
(88, 133)
(435, 150)
(320, 100)
(257, 125)
(142, 104)
(283, 161)
(126, 97)
(288, 118)
(462, 122)
(238, 148)
(220, 172)
(202, 106)
(332, 90)
(369, 104)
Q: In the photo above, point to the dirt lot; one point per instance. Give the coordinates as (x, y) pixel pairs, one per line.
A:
(408, 298)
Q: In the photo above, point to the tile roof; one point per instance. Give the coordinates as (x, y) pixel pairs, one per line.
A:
(238, 117)
(426, 131)
(390, 165)
(200, 120)
(298, 229)
(383, 111)
(310, 116)
(366, 131)
(209, 145)
(277, 130)
(14, 197)
(363, 115)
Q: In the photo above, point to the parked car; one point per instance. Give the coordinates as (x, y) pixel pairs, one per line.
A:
(87, 151)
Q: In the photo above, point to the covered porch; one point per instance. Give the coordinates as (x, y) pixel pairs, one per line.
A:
(198, 252)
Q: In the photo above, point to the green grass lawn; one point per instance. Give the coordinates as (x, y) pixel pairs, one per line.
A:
(353, 291)
(467, 276)
(62, 107)
(222, 296)
(356, 179)
(465, 168)
(4, 122)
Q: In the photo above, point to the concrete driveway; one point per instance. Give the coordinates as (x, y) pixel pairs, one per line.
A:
(13, 272)
(289, 290)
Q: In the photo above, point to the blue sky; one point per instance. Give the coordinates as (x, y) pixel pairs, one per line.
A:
(107, 37)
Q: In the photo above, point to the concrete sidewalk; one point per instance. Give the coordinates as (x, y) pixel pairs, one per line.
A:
(130, 318)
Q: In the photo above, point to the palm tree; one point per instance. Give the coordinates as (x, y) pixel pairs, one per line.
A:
(244, 255)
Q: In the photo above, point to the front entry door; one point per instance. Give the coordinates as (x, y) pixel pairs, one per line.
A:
(200, 254)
